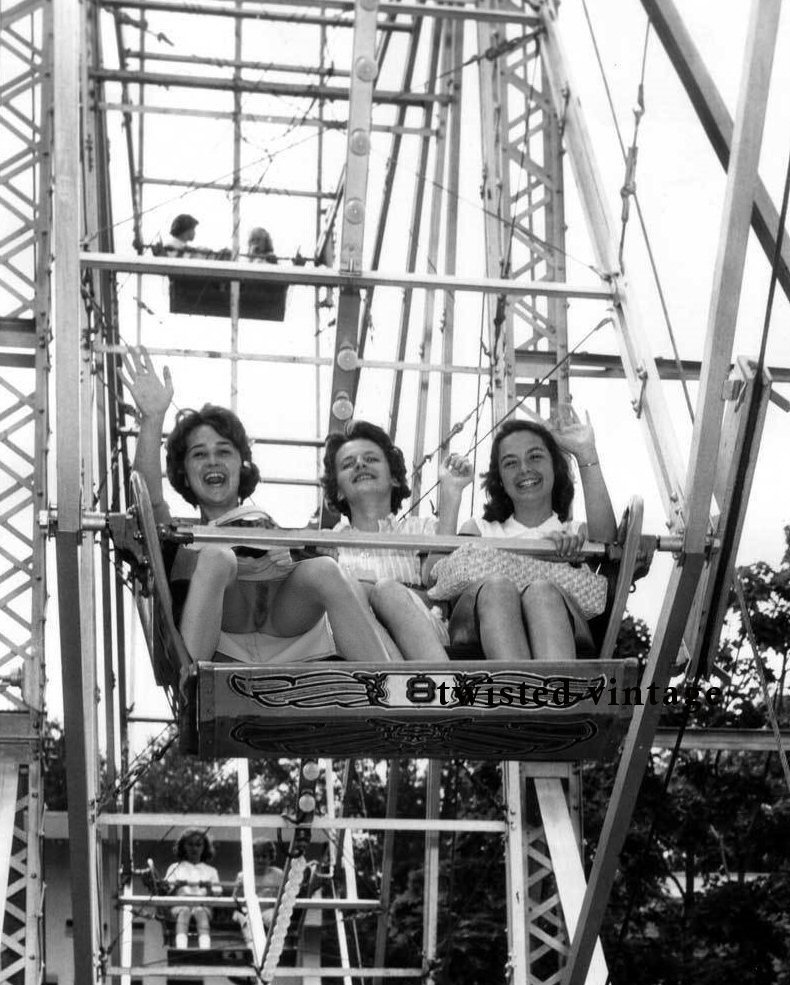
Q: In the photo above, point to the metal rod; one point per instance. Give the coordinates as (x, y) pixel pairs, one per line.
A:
(432, 260)
(715, 119)
(396, 140)
(335, 73)
(319, 972)
(415, 226)
(450, 11)
(451, 232)
(259, 537)
(296, 361)
(224, 186)
(283, 274)
(635, 348)
(267, 822)
(741, 176)
(307, 91)
(232, 902)
(215, 114)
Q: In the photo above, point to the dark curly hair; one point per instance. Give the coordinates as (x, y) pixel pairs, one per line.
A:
(499, 505)
(226, 424)
(208, 845)
(353, 431)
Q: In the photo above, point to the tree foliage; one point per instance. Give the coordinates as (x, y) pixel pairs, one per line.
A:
(705, 869)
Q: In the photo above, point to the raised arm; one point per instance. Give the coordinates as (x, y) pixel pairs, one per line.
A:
(152, 397)
(455, 475)
(578, 439)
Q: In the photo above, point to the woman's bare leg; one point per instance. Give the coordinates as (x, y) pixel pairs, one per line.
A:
(548, 622)
(363, 592)
(202, 925)
(502, 634)
(410, 626)
(318, 586)
(182, 915)
(201, 621)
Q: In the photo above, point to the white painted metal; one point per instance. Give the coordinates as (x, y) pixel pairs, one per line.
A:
(516, 873)
(567, 864)
(9, 778)
(254, 917)
(635, 351)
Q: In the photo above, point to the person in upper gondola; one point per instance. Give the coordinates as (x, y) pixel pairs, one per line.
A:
(265, 608)
(529, 489)
(182, 235)
(260, 246)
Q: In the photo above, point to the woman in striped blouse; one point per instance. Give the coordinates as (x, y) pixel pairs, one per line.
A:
(365, 479)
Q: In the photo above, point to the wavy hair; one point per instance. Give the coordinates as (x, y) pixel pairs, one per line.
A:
(353, 431)
(499, 506)
(208, 844)
(228, 426)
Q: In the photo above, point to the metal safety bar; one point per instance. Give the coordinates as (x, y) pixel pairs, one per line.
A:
(188, 533)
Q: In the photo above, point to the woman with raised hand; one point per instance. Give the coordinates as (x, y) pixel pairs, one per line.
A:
(364, 478)
(265, 609)
(529, 489)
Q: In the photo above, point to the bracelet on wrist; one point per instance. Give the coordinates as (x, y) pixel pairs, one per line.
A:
(588, 465)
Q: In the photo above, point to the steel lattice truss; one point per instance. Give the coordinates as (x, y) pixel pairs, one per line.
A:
(25, 98)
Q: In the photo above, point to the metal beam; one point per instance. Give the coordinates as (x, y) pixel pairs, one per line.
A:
(602, 366)
(666, 642)
(266, 822)
(721, 739)
(361, 95)
(675, 612)
(513, 15)
(212, 114)
(305, 91)
(75, 649)
(728, 272)
(282, 274)
(716, 120)
(635, 348)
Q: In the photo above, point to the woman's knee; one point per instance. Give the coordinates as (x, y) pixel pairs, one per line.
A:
(325, 578)
(542, 593)
(497, 590)
(387, 594)
(218, 563)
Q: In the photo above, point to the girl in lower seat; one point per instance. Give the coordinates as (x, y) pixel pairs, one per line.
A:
(191, 875)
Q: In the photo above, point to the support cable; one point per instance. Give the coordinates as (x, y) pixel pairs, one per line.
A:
(738, 587)
(456, 428)
(480, 209)
(642, 224)
(481, 352)
(629, 182)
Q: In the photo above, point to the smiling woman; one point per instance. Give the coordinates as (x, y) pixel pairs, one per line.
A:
(280, 611)
(529, 489)
(365, 479)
